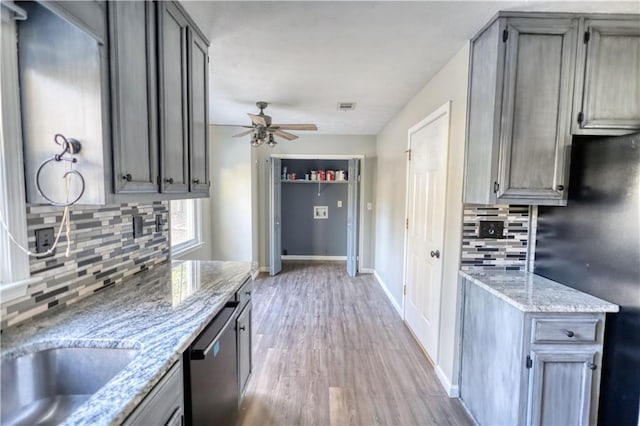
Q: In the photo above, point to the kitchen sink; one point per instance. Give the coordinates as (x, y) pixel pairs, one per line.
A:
(45, 387)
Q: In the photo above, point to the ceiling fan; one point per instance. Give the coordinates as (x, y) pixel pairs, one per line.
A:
(262, 131)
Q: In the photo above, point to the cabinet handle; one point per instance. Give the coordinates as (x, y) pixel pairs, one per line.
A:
(591, 366)
(127, 177)
(169, 180)
(560, 187)
(435, 254)
(569, 333)
(242, 328)
(248, 293)
(196, 181)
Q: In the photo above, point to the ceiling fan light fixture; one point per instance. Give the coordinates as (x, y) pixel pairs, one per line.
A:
(271, 142)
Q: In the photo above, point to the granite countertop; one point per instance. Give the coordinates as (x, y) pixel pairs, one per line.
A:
(159, 312)
(533, 293)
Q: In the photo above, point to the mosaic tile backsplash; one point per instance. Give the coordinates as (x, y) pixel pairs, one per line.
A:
(103, 252)
(498, 254)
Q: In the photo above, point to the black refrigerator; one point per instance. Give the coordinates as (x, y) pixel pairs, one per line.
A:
(593, 245)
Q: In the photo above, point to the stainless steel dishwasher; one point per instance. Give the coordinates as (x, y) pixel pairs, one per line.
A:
(211, 377)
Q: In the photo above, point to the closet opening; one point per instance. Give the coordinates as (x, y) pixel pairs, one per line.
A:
(315, 206)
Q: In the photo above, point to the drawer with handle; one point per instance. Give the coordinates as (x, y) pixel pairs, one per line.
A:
(244, 294)
(564, 330)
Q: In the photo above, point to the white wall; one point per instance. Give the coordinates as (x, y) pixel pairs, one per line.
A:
(323, 145)
(228, 213)
(449, 84)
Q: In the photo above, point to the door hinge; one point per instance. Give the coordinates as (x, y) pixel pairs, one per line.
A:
(406, 223)
(409, 153)
(529, 362)
(496, 187)
(505, 35)
(404, 290)
(580, 117)
(587, 36)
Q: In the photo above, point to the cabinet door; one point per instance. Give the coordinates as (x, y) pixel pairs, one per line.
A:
(198, 114)
(173, 75)
(133, 95)
(244, 347)
(610, 53)
(537, 94)
(560, 387)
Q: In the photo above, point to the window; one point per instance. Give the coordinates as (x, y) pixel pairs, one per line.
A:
(185, 226)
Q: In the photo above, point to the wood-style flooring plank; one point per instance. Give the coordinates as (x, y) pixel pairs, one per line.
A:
(330, 349)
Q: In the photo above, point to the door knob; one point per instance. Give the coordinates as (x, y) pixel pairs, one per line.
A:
(127, 177)
(169, 180)
(196, 181)
(435, 254)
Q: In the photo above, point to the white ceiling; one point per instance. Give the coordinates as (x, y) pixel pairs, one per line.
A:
(305, 57)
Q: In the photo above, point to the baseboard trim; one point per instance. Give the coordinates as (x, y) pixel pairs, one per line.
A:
(451, 390)
(387, 292)
(296, 257)
(367, 271)
(264, 269)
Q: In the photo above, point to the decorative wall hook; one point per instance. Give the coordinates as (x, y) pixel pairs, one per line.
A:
(69, 147)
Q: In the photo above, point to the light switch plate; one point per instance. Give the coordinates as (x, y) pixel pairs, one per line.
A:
(339, 203)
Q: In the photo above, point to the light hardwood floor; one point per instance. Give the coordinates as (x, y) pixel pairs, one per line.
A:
(331, 350)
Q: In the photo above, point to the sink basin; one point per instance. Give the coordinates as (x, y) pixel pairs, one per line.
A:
(45, 387)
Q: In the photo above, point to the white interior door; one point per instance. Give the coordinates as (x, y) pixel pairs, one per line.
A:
(426, 193)
(275, 236)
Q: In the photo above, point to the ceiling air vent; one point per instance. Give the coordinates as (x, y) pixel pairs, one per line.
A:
(346, 106)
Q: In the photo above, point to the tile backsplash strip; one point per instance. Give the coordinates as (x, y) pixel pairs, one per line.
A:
(103, 252)
(499, 254)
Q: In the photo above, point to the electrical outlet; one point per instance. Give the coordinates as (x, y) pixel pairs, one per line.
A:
(339, 203)
(369, 206)
(159, 223)
(491, 229)
(44, 240)
(137, 226)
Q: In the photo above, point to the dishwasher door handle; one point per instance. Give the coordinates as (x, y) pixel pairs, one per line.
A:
(198, 354)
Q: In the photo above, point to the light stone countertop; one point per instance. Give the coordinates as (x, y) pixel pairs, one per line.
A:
(159, 312)
(533, 293)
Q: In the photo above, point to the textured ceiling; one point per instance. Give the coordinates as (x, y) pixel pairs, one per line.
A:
(305, 57)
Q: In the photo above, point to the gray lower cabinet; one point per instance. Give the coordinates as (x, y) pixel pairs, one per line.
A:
(164, 405)
(244, 336)
(134, 96)
(607, 99)
(561, 380)
(244, 348)
(526, 368)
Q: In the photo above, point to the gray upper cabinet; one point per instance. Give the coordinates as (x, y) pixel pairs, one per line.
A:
(521, 87)
(607, 97)
(174, 143)
(134, 96)
(535, 80)
(537, 94)
(198, 113)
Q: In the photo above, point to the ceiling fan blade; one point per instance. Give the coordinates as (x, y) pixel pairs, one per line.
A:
(296, 126)
(286, 135)
(246, 132)
(232, 125)
(260, 120)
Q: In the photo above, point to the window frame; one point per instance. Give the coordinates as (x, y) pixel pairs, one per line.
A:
(196, 242)
(15, 275)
